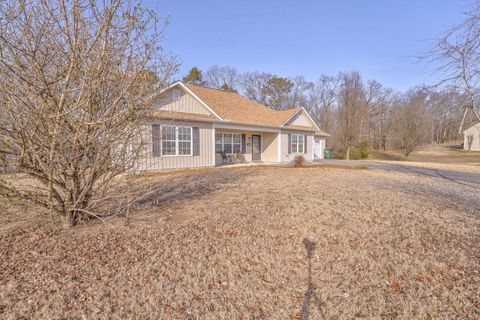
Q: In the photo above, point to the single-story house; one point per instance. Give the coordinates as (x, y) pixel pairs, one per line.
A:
(195, 126)
(471, 138)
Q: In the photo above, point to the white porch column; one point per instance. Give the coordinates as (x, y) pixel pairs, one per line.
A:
(213, 146)
(279, 146)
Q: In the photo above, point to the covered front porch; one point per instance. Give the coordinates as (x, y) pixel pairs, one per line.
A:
(238, 145)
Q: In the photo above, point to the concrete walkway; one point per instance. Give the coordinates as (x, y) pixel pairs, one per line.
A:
(471, 179)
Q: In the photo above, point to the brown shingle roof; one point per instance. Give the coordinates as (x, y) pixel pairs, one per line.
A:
(233, 107)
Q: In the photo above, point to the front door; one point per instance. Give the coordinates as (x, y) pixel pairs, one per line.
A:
(256, 148)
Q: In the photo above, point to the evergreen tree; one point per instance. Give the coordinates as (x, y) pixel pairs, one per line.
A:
(226, 87)
(194, 76)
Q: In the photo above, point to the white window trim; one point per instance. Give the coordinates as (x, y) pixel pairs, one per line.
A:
(176, 141)
(297, 143)
(231, 143)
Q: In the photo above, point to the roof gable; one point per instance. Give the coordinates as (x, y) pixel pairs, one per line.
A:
(185, 102)
(177, 99)
(301, 118)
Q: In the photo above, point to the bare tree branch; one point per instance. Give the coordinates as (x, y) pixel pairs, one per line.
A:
(76, 76)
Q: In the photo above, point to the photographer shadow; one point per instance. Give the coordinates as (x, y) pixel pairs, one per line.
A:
(310, 295)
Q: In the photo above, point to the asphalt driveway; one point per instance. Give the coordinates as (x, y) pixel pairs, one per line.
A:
(472, 179)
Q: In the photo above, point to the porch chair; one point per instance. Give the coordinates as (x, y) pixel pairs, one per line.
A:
(224, 158)
(239, 157)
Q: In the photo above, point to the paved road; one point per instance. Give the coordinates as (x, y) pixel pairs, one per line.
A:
(472, 179)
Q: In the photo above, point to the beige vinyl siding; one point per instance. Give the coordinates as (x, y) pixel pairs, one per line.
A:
(184, 103)
(475, 133)
(204, 159)
(268, 140)
(300, 119)
(270, 147)
(284, 142)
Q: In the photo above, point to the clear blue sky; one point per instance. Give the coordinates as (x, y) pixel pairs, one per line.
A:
(381, 39)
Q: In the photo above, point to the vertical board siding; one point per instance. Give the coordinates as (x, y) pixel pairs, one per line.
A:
(205, 153)
(269, 147)
(300, 119)
(474, 132)
(285, 147)
(185, 103)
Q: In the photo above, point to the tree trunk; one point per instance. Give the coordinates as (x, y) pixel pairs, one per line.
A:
(347, 157)
(68, 222)
(407, 152)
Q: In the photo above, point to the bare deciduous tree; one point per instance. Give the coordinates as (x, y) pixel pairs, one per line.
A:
(75, 77)
(378, 101)
(445, 114)
(222, 77)
(297, 97)
(351, 110)
(410, 123)
(456, 56)
(254, 84)
(323, 97)
(276, 92)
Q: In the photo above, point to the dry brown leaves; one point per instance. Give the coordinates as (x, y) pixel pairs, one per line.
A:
(230, 244)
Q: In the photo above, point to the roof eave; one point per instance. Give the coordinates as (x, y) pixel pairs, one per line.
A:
(216, 121)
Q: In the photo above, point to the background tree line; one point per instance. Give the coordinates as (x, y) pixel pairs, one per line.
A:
(353, 110)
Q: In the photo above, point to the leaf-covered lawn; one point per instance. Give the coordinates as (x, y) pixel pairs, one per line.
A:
(254, 243)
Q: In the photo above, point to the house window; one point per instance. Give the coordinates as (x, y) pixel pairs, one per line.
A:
(228, 143)
(184, 141)
(175, 94)
(218, 142)
(176, 140)
(236, 143)
(169, 140)
(297, 143)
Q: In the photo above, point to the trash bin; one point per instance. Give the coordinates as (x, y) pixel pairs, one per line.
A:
(328, 154)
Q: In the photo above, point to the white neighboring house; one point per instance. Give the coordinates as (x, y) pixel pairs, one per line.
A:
(471, 138)
(195, 126)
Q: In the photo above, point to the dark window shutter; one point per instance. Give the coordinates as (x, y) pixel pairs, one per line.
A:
(244, 148)
(289, 143)
(196, 141)
(156, 144)
(305, 144)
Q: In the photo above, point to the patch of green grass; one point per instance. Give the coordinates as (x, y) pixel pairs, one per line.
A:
(455, 146)
(361, 168)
